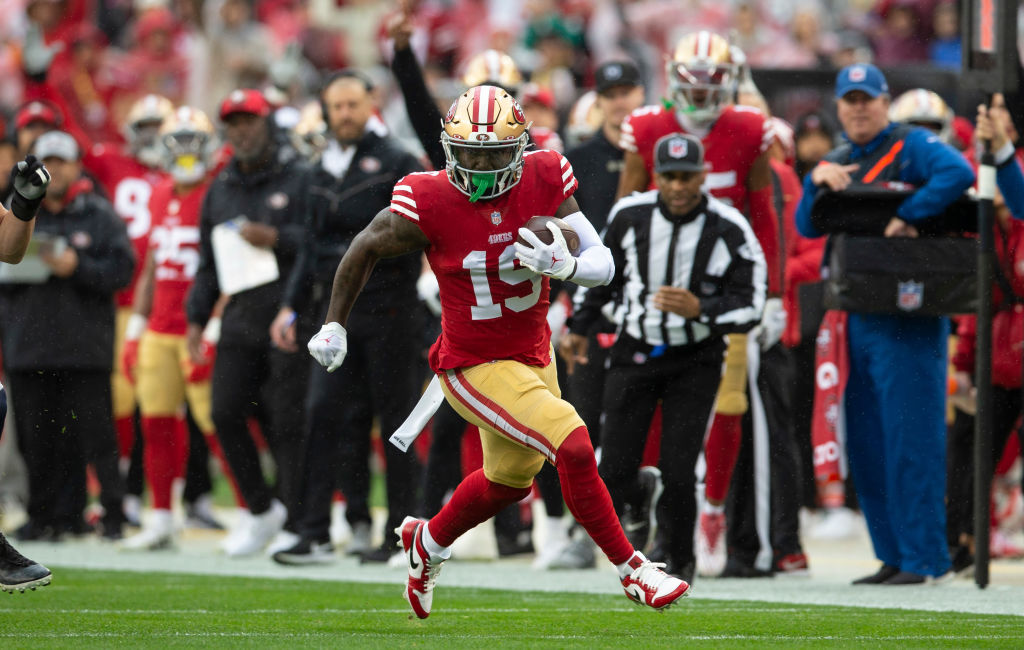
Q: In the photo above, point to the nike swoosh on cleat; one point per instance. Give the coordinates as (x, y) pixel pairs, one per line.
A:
(634, 525)
(412, 555)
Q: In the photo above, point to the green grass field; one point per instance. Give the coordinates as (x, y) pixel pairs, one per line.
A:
(103, 609)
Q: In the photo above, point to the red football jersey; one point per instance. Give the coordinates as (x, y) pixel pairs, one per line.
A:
(736, 139)
(491, 308)
(129, 184)
(174, 241)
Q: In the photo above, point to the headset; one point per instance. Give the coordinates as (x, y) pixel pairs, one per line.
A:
(347, 73)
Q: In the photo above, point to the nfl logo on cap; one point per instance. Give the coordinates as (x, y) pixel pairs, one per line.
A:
(677, 148)
(857, 74)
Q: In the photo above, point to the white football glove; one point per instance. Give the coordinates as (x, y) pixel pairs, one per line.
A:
(553, 260)
(773, 323)
(329, 346)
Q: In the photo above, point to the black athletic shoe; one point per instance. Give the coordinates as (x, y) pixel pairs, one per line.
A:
(962, 558)
(17, 572)
(734, 568)
(887, 571)
(305, 552)
(638, 520)
(32, 531)
(379, 555)
(517, 544)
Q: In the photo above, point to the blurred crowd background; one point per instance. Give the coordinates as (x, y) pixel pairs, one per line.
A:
(108, 53)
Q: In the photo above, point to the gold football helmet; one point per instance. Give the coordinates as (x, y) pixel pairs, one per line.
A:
(923, 107)
(309, 135)
(484, 136)
(585, 119)
(189, 143)
(142, 126)
(702, 75)
(492, 67)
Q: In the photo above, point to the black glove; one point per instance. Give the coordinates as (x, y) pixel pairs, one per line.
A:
(30, 183)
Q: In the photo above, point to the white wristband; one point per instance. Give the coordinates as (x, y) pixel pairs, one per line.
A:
(211, 334)
(135, 327)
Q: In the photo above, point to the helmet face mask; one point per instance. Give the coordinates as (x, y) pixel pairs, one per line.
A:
(702, 76)
(484, 139)
(188, 143)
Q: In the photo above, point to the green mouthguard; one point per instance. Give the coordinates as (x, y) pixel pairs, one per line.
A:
(482, 183)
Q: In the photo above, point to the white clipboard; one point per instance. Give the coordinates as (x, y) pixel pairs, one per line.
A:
(32, 269)
(240, 265)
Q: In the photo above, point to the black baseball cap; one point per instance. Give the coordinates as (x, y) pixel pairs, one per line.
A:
(616, 73)
(678, 152)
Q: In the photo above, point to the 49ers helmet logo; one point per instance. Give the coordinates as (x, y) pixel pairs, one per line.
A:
(517, 112)
(451, 111)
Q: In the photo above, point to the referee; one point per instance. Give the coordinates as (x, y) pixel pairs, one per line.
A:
(688, 269)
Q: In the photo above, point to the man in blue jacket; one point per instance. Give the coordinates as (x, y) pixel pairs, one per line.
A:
(895, 395)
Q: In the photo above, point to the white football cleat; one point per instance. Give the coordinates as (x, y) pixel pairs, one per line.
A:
(711, 555)
(260, 530)
(361, 541)
(282, 541)
(648, 585)
(423, 570)
(157, 533)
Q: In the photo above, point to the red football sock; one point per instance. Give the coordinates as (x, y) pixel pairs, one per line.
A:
(587, 497)
(125, 428)
(213, 443)
(164, 437)
(474, 501)
(720, 452)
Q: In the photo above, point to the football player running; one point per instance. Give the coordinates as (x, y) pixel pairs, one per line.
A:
(703, 76)
(494, 356)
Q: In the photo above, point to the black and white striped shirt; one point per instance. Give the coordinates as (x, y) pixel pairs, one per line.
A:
(711, 251)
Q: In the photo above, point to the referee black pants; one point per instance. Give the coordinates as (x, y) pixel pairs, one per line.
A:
(685, 380)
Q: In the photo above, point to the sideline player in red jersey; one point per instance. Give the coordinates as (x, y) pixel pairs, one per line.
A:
(128, 175)
(155, 356)
(703, 76)
(494, 354)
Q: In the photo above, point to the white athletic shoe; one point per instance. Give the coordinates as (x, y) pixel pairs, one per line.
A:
(648, 585)
(236, 529)
(423, 569)
(157, 533)
(282, 541)
(260, 530)
(711, 555)
(836, 523)
(362, 539)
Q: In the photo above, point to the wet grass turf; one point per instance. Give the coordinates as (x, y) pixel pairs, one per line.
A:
(103, 609)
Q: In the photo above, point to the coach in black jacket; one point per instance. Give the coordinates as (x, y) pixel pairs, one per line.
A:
(688, 269)
(350, 185)
(265, 187)
(58, 343)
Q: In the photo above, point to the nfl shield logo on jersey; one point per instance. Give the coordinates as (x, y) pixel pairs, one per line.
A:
(910, 295)
(496, 218)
